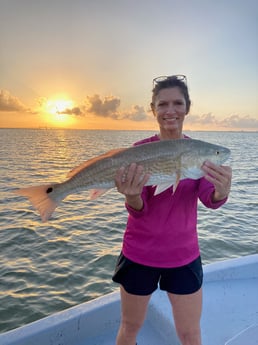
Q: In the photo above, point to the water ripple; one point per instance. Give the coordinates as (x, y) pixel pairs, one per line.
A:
(52, 266)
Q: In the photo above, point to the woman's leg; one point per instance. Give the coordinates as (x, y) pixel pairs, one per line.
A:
(187, 314)
(133, 308)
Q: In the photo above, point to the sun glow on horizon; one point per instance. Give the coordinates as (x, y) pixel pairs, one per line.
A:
(57, 108)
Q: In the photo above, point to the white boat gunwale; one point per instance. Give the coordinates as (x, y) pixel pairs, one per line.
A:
(81, 322)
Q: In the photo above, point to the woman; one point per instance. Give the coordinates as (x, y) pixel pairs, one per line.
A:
(160, 243)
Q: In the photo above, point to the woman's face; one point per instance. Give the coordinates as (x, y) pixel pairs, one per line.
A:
(170, 109)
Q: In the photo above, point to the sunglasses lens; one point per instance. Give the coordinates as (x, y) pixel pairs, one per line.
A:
(164, 78)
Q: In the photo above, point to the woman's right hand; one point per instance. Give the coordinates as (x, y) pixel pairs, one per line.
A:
(130, 182)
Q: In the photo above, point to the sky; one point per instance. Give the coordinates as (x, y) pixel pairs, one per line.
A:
(89, 64)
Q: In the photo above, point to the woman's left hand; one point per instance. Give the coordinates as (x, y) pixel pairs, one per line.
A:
(220, 177)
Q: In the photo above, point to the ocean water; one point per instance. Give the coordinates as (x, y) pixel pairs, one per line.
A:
(45, 268)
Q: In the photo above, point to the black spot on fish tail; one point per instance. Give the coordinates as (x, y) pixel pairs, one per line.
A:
(49, 190)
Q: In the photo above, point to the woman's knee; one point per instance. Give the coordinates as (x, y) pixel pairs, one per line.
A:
(187, 314)
(189, 336)
(134, 309)
(129, 327)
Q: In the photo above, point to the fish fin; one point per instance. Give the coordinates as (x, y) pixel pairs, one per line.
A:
(95, 193)
(176, 182)
(173, 182)
(40, 197)
(162, 187)
(91, 161)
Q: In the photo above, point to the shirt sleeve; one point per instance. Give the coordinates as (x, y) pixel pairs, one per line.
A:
(206, 189)
(139, 213)
(135, 213)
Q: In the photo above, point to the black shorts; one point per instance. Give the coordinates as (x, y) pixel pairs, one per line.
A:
(144, 280)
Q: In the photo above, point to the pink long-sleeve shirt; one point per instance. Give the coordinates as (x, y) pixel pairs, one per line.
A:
(164, 232)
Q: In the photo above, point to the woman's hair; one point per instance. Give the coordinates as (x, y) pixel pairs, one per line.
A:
(168, 82)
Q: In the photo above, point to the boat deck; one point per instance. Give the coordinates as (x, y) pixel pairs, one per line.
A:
(230, 314)
(148, 335)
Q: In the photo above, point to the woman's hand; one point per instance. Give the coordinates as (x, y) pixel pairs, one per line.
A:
(130, 182)
(220, 177)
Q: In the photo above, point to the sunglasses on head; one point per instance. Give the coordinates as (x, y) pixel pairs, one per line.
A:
(180, 77)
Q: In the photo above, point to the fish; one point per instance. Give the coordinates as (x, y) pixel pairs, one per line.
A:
(166, 161)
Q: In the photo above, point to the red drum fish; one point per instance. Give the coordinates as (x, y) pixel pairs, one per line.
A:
(167, 162)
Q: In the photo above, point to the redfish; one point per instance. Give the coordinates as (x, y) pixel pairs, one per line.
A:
(167, 162)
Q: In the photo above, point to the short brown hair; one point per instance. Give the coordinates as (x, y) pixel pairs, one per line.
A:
(169, 82)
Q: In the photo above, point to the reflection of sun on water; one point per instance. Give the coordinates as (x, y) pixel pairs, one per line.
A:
(57, 110)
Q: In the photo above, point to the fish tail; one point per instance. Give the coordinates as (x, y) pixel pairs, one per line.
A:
(42, 198)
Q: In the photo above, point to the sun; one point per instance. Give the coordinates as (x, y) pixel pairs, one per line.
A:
(58, 111)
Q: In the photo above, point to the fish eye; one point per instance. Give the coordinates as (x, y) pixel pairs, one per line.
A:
(217, 153)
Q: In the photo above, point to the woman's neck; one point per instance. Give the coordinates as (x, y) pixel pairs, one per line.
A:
(164, 135)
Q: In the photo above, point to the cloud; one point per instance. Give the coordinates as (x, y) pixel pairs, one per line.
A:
(205, 119)
(109, 107)
(106, 108)
(136, 114)
(231, 122)
(77, 111)
(244, 122)
(11, 103)
(41, 101)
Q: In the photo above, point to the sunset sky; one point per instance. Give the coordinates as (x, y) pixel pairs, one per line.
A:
(90, 63)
